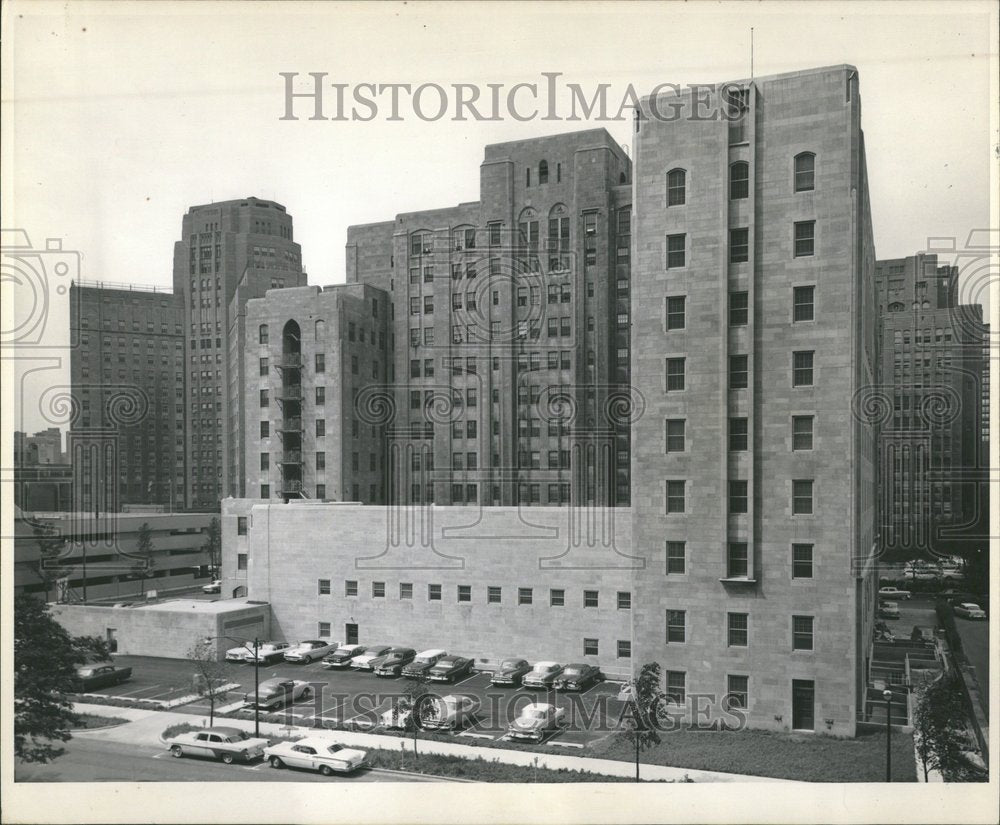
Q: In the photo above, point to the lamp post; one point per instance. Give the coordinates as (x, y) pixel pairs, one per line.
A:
(256, 676)
(887, 694)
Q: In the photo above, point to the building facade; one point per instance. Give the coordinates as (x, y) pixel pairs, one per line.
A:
(510, 334)
(931, 448)
(316, 364)
(754, 319)
(43, 447)
(127, 383)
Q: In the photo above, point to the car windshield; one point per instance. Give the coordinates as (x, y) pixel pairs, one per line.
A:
(535, 713)
(335, 747)
(511, 663)
(343, 651)
(572, 671)
(86, 671)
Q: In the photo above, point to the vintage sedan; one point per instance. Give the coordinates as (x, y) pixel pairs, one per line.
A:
(228, 744)
(450, 668)
(968, 610)
(542, 675)
(342, 656)
(310, 650)
(214, 586)
(277, 692)
(888, 610)
(577, 677)
(243, 653)
(269, 653)
(510, 672)
(100, 674)
(423, 662)
(450, 712)
(394, 661)
(371, 655)
(893, 593)
(316, 753)
(537, 721)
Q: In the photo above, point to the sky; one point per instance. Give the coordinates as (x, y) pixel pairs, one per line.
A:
(118, 117)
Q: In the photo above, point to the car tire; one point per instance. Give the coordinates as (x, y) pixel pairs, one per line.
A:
(227, 758)
(276, 762)
(176, 751)
(326, 770)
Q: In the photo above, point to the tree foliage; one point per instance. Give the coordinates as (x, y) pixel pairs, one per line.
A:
(647, 703)
(45, 659)
(940, 723)
(210, 673)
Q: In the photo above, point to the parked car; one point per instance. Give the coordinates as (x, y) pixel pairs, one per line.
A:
(888, 610)
(278, 692)
(269, 653)
(510, 672)
(371, 655)
(893, 593)
(953, 574)
(316, 753)
(214, 587)
(227, 744)
(397, 717)
(968, 610)
(100, 674)
(450, 712)
(536, 721)
(542, 675)
(450, 668)
(922, 574)
(577, 677)
(341, 657)
(394, 661)
(243, 653)
(310, 650)
(423, 662)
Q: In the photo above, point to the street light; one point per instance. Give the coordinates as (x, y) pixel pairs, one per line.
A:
(887, 695)
(256, 677)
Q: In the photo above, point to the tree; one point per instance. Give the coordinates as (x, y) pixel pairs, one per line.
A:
(213, 547)
(643, 710)
(45, 659)
(939, 725)
(210, 675)
(412, 700)
(143, 554)
(52, 547)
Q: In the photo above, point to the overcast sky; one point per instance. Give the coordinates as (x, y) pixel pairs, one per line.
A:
(118, 117)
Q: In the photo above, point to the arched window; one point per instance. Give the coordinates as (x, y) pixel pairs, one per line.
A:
(676, 187)
(543, 171)
(262, 334)
(739, 181)
(240, 592)
(320, 329)
(805, 168)
(896, 306)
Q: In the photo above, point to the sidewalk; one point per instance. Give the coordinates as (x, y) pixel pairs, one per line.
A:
(145, 727)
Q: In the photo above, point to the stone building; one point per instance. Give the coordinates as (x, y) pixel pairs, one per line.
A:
(753, 341)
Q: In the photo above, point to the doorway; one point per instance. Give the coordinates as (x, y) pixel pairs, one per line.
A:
(351, 634)
(803, 702)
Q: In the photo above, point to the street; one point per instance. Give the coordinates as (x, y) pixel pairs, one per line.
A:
(976, 643)
(93, 760)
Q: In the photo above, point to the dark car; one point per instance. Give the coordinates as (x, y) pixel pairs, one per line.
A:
(577, 677)
(100, 674)
(394, 661)
(449, 669)
(510, 672)
(342, 656)
(423, 662)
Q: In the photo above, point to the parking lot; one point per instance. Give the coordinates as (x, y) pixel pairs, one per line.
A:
(358, 698)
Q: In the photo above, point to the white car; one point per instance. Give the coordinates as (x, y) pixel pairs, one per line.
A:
(893, 593)
(214, 587)
(372, 652)
(310, 650)
(537, 721)
(542, 675)
(243, 653)
(968, 610)
(277, 692)
(449, 712)
(316, 753)
(227, 744)
(269, 652)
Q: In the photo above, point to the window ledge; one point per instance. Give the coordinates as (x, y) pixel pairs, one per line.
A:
(738, 580)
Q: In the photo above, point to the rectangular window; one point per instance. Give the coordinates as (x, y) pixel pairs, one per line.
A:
(675, 435)
(738, 496)
(590, 647)
(737, 560)
(739, 246)
(624, 600)
(805, 237)
(265, 429)
(675, 496)
(428, 305)
(739, 629)
(320, 461)
(802, 561)
(675, 312)
(738, 692)
(802, 632)
(320, 395)
(524, 595)
(802, 432)
(320, 426)
(264, 399)
(739, 304)
(624, 649)
(557, 598)
(675, 374)
(493, 594)
(241, 561)
(351, 587)
(465, 593)
(737, 434)
(590, 598)
(378, 590)
(320, 362)
(241, 525)
(676, 691)
(739, 372)
(434, 592)
(675, 251)
(263, 366)
(324, 587)
(676, 626)
(676, 558)
(405, 590)
(802, 497)
(803, 303)
(802, 369)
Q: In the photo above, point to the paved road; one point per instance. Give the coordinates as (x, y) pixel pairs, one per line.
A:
(93, 760)
(976, 643)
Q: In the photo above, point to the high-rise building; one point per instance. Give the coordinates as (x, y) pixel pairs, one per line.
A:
(44, 447)
(126, 439)
(753, 341)
(313, 359)
(510, 329)
(931, 447)
(232, 249)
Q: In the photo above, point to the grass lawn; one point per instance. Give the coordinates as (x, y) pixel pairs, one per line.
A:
(87, 721)
(782, 755)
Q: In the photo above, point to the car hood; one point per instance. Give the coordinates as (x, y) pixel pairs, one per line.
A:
(522, 723)
(418, 666)
(439, 668)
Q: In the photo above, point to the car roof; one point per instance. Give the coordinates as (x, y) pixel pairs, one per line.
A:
(314, 642)
(578, 665)
(401, 650)
(317, 742)
(433, 652)
(536, 706)
(223, 731)
(540, 665)
(970, 604)
(277, 680)
(450, 656)
(349, 647)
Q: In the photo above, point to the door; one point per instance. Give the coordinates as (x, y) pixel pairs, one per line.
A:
(351, 634)
(112, 641)
(803, 699)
